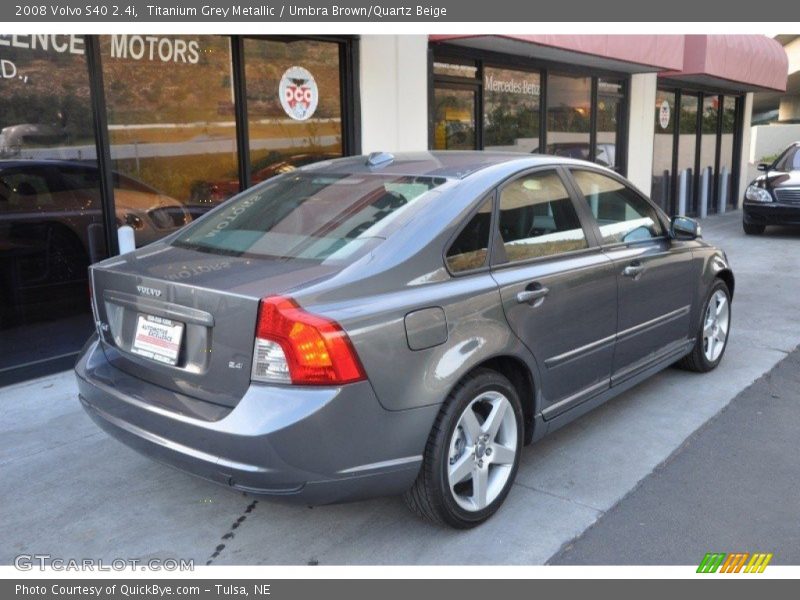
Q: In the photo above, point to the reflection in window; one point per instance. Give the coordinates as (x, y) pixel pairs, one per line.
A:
(687, 151)
(453, 67)
(310, 216)
(50, 212)
(172, 127)
(568, 116)
(511, 110)
(454, 119)
(726, 159)
(470, 249)
(708, 153)
(537, 218)
(623, 215)
(665, 117)
(610, 108)
(294, 106)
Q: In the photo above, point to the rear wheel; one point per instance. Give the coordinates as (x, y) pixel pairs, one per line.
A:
(712, 337)
(753, 228)
(472, 454)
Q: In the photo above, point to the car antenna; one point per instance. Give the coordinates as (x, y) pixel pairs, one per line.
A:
(376, 159)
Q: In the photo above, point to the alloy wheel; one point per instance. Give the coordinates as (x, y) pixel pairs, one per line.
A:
(482, 451)
(715, 325)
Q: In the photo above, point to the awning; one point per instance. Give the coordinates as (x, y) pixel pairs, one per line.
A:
(741, 63)
(623, 53)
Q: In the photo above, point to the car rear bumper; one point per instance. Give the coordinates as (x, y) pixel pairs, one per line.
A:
(771, 213)
(311, 445)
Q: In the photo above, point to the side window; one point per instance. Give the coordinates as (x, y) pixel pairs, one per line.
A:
(623, 215)
(537, 218)
(470, 249)
(28, 189)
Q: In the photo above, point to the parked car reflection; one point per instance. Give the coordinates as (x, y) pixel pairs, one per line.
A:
(51, 230)
(605, 154)
(207, 194)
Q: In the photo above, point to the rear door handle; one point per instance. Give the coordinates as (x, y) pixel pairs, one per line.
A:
(534, 296)
(633, 270)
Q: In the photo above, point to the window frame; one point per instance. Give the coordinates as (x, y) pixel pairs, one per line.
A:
(461, 86)
(661, 216)
(462, 224)
(677, 91)
(443, 51)
(499, 259)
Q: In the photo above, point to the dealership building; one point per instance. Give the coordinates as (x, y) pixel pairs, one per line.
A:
(153, 131)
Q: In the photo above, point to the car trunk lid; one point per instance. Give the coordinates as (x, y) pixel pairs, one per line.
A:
(210, 303)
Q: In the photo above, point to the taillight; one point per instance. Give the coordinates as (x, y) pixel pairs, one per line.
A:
(293, 346)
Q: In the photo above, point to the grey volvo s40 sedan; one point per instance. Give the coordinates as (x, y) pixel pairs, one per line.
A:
(397, 324)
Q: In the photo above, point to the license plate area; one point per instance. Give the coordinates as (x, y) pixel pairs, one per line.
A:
(158, 339)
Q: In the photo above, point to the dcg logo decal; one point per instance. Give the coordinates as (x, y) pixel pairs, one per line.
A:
(298, 93)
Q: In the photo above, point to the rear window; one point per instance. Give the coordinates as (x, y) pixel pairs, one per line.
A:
(309, 216)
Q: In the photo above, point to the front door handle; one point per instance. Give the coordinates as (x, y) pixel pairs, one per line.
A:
(534, 296)
(633, 270)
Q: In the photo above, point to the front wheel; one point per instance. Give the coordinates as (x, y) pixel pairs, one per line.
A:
(753, 228)
(712, 337)
(472, 454)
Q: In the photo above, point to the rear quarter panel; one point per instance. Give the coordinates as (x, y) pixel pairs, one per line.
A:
(407, 273)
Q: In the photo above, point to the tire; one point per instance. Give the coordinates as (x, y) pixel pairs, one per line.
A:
(753, 228)
(457, 439)
(702, 358)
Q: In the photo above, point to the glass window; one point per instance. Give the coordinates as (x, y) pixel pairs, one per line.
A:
(470, 249)
(454, 67)
(610, 110)
(568, 116)
(621, 213)
(172, 127)
(665, 117)
(50, 212)
(708, 153)
(725, 185)
(537, 218)
(510, 110)
(687, 152)
(454, 119)
(294, 105)
(311, 216)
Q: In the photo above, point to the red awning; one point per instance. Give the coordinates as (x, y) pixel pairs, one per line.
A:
(740, 63)
(626, 53)
(743, 63)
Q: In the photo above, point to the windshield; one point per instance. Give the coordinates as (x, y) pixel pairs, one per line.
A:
(789, 160)
(309, 216)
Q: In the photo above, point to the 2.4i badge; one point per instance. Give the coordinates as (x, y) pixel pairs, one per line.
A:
(298, 93)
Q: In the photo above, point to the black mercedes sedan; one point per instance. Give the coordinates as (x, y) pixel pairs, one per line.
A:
(773, 198)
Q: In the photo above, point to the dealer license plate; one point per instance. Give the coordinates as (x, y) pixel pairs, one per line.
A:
(158, 339)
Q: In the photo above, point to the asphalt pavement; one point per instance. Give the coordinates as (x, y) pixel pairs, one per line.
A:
(733, 486)
(68, 490)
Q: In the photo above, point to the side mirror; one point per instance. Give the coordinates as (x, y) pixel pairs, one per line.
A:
(684, 228)
(764, 167)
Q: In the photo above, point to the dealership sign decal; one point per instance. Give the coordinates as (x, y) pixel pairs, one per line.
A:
(664, 115)
(298, 93)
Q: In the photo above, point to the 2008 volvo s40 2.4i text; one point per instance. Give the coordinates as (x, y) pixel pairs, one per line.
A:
(397, 324)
